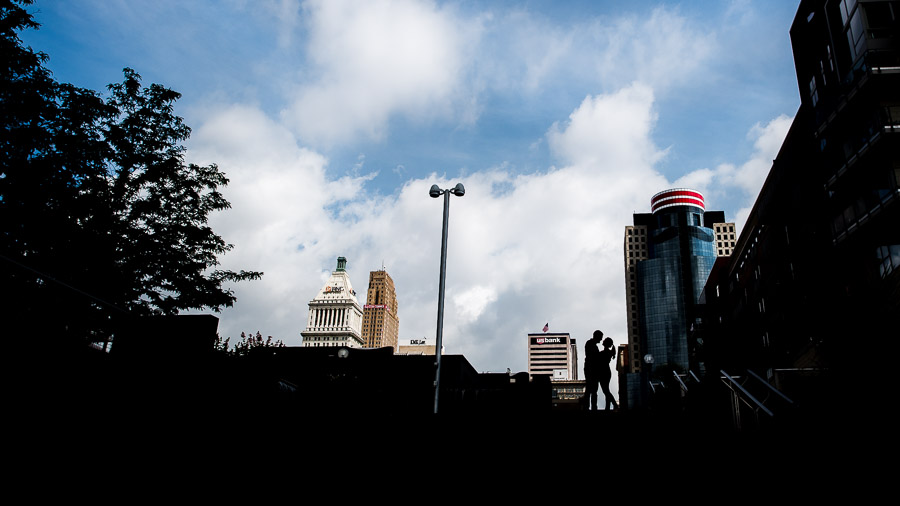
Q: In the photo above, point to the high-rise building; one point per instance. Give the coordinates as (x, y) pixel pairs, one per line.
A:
(668, 256)
(335, 317)
(554, 355)
(811, 295)
(381, 324)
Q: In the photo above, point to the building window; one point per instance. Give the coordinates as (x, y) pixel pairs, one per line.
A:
(855, 31)
(888, 259)
(822, 71)
(813, 93)
(830, 58)
(881, 18)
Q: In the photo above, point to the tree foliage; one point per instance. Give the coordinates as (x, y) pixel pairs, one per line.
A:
(247, 343)
(99, 211)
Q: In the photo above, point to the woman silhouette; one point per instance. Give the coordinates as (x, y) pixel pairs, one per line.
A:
(606, 357)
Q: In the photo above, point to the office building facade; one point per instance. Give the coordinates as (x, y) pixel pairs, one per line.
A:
(816, 271)
(668, 254)
(554, 355)
(381, 323)
(335, 317)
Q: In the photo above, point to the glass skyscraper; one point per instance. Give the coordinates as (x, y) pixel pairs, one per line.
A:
(669, 254)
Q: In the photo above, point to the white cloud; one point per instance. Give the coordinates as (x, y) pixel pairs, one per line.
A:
(746, 179)
(661, 49)
(521, 51)
(609, 132)
(471, 303)
(768, 140)
(377, 59)
(280, 221)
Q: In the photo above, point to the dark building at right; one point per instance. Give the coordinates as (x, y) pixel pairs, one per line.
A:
(810, 297)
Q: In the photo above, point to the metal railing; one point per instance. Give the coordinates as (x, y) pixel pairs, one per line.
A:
(760, 404)
(672, 395)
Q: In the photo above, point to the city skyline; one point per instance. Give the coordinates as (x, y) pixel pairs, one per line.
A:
(333, 119)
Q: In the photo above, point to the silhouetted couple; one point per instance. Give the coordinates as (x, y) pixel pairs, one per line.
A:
(596, 369)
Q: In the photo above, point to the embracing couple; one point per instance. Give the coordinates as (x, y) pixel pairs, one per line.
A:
(596, 369)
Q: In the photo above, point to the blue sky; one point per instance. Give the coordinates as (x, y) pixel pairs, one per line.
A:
(332, 119)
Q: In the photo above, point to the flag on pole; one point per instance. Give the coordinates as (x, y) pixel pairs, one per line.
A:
(546, 326)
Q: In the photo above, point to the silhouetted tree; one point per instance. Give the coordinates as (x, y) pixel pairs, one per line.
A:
(221, 345)
(247, 343)
(99, 211)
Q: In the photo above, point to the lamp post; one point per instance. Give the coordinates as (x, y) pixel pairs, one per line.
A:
(459, 190)
(647, 386)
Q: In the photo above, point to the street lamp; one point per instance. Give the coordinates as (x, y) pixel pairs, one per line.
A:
(459, 190)
(648, 386)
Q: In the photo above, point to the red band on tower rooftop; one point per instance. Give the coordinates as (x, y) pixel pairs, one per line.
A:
(676, 193)
(675, 197)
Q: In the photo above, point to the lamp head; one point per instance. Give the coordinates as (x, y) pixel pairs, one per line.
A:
(459, 190)
(435, 192)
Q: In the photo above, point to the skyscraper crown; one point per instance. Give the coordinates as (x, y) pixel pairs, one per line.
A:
(677, 197)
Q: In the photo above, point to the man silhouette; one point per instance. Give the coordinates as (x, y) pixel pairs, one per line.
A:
(593, 368)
